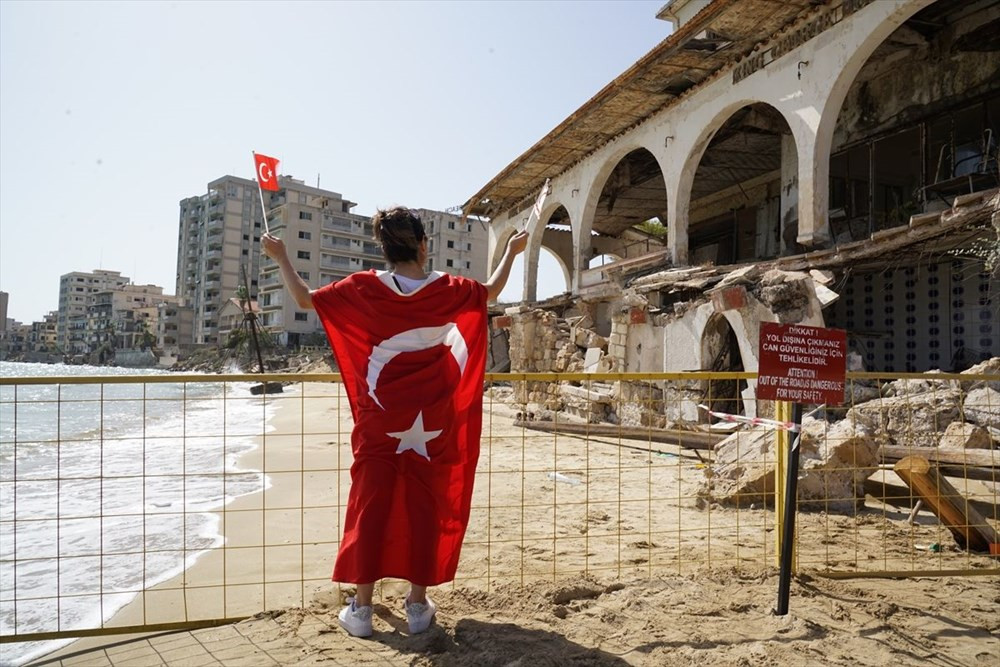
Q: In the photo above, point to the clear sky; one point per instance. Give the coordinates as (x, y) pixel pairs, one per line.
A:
(110, 113)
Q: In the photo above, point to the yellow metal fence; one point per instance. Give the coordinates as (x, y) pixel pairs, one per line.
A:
(168, 501)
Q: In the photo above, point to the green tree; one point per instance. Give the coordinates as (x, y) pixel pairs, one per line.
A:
(653, 227)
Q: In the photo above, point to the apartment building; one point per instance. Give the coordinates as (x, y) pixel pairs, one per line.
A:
(76, 293)
(125, 318)
(325, 242)
(174, 330)
(218, 240)
(44, 334)
(4, 299)
(454, 246)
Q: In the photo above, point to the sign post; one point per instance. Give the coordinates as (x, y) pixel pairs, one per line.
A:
(800, 364)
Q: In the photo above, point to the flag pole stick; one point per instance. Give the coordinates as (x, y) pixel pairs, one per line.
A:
(260, 191)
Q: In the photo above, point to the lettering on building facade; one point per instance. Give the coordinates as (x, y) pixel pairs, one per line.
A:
(762, 57)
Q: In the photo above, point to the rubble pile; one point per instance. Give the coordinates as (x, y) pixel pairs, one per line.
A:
(706, 317)
(837, 457)
(835, 461)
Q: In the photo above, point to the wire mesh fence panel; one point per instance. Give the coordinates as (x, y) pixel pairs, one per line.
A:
(172, 501)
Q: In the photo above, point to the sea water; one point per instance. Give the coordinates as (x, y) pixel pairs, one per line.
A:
(106, 490)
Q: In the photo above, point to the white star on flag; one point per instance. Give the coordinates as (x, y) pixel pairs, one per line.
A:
(416, 438)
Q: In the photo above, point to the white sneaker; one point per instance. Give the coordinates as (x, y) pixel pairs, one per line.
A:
(356, 620)
(419, 615)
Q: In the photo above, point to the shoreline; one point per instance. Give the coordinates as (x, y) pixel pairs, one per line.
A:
(244, 522)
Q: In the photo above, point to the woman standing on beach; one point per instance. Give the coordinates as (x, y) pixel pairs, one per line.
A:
(411, 348)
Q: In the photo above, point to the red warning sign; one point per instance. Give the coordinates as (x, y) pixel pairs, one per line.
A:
(801, 364)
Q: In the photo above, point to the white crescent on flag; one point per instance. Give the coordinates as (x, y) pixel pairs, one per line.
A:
(412, 340)
(264, 173)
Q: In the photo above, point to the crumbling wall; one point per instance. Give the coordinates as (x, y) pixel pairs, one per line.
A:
(646, 338)
(543, 342)
(920, 77)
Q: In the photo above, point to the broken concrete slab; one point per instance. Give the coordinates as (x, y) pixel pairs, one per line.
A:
(587, 338)
(746, 275)
(822, 277)
(592, 360)
(988, 367)
(982, 407)
(913, 420)
(586, 394)
(825, 295)
(786, 293)
(962, 435)
(743, 472)
(910, 387)
(835, 461)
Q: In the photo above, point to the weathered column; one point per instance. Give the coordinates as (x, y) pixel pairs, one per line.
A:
(788, 219)
(678, 201)
(813, 195)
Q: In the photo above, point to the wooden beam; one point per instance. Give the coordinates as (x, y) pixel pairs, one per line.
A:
(983, 458)
(903, 498)
(967, 525)
(688, 439)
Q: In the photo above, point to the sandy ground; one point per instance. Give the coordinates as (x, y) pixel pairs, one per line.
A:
(580, 552)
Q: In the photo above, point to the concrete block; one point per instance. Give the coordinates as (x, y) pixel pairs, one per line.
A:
(961, 435)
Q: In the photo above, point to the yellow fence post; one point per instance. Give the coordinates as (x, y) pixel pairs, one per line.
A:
(783, 439)
(782, 412)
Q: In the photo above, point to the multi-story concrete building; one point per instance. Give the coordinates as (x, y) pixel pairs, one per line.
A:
(4, 299)
(44, 335)
(325, 241)
(125, 318)
(217, 241)
(453, 246)
(174, 330)
(14, 340)
(76, 292)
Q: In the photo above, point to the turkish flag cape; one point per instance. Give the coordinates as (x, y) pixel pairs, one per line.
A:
(413, 369)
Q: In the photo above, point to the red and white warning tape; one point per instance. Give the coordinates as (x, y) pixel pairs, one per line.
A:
(756, 421)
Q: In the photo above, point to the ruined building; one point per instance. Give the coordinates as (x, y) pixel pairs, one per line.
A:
(832, 163)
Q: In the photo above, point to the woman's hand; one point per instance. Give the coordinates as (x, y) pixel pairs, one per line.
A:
(273, 247)
(517, 243)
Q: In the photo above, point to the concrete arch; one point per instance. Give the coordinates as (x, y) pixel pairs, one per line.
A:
(592, 194)
(869, 28)
(567, 277)
(721, 351)
(530, 292)
(502, 237)
(681, 182)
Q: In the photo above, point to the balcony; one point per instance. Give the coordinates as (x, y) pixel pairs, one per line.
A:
(212, 284)
(337, 225)
(214, 254)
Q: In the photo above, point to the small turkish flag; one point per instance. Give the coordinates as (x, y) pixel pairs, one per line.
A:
(413, 369)
(267, 171)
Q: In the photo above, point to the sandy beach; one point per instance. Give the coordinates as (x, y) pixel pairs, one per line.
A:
(578, 552)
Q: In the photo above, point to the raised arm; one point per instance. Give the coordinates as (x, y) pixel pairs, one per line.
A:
(515, 246)
(274, 248)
